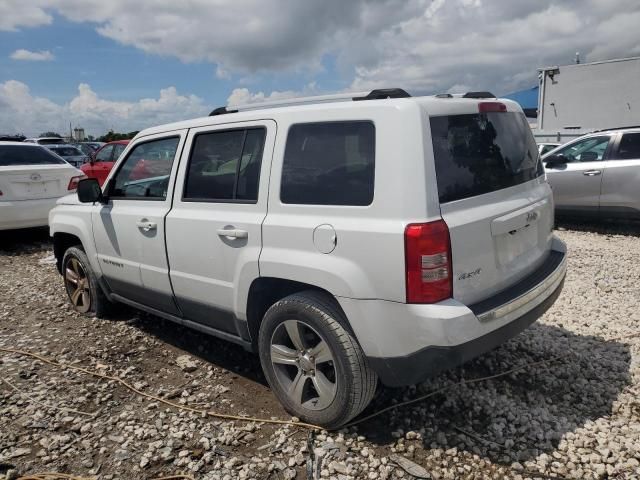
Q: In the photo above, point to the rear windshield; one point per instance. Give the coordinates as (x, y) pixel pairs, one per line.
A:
(482, 152)
(67, 151)
(11, 155)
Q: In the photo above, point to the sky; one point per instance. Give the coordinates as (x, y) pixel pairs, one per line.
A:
(129, 65)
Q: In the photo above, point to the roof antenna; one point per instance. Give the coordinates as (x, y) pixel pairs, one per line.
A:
(577, 58)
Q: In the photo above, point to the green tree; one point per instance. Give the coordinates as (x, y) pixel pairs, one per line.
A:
(112, 136)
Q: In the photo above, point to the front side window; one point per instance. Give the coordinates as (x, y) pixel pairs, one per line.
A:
(104, 155)
(117, 151)
(225, 166)
(588, 150)
(629, 147)
(146, 170)
(329, 163)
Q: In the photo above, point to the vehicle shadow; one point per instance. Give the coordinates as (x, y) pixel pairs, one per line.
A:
(207, 348)
(25, 240)
(603, 226)
(516, 417)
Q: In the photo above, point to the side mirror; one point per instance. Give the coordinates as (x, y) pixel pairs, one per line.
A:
(89, 191)
(554, 161)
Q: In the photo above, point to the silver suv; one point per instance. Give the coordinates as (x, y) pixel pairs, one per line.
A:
(345, 239)
(597, 174)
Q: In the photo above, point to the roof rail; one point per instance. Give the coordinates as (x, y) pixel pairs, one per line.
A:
(378, 94)
(479, 95)
(443, 95)
(615, 128)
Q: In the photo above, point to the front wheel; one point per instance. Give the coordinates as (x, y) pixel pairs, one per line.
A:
(81, 284)
(314, 365)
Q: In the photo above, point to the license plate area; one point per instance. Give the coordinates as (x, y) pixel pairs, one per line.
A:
(515, 243)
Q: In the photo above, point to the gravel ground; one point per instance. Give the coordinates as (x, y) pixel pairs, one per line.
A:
(575, 417)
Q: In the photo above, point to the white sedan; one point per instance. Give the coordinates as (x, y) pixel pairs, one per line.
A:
(32, 179)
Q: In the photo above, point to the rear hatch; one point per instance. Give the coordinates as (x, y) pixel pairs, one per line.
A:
(31, 172)
(493, 196)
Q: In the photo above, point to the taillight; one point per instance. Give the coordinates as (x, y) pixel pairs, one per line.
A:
(428, 262)
(484, 107)
(73, 183)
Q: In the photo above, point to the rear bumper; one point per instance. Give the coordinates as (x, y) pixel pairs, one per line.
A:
(25, 213)
(415, 342)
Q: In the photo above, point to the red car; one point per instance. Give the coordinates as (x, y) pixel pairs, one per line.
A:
(103, 159)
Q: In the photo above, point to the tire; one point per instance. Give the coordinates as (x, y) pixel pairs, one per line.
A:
(328, 381)
(75, 261)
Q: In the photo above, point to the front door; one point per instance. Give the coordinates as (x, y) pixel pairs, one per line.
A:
(129, 229)
(576, 183)
(214, 233)
(621, 180)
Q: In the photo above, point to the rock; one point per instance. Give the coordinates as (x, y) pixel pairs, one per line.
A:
(186, 363)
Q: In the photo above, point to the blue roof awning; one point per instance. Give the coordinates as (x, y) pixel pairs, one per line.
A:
(528, 99)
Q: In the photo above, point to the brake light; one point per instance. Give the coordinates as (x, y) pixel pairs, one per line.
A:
(428, 262)
(73, 183)
(484, 107)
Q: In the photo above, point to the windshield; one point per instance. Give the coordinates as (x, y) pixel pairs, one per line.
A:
(11, 155)
(67, 151)
(483, 152)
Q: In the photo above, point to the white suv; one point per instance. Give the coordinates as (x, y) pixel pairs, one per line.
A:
(344, 239)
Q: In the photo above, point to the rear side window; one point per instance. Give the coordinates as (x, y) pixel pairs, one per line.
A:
(13, 155)
(629, 147)
(225, 166)
(480, 153)
(329, 164)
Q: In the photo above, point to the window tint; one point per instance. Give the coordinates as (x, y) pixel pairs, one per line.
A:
(329, 164)
(11, 155)
(546, 148)
(629, 147)
(104, 155)
(481, 153)
(225, 166)
(588, 150)
(146, 170)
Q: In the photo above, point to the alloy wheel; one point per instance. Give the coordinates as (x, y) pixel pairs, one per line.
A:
(77, 285)
(304, 365)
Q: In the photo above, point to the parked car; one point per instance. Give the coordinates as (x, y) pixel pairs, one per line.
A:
(88, 148)
(103, 159)
(70, 153)
(388, 238)
(597, 174)
(544, 148)
(46, 140)
(32, 179)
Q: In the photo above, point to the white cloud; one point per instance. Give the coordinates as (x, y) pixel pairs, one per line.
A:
(242, 96)
(22, 112)
(15, 14)
(41, 56)
(422, 45)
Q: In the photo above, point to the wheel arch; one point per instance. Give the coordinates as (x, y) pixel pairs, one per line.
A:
(62, 241)
(265, 291)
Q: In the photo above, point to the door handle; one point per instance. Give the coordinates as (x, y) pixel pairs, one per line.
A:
(233, 233)
(146, 226)
(592, 173)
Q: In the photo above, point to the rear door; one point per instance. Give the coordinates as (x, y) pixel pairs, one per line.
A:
(576, 184)
(621, 177)
(129, 230)
(493, 197)
(214, 230)
(30, 172)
